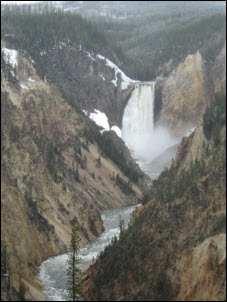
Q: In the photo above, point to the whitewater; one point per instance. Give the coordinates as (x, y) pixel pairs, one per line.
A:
(145, 141)
(53, 271)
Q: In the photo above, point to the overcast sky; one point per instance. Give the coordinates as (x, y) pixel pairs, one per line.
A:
(18, 2)
(24, 2)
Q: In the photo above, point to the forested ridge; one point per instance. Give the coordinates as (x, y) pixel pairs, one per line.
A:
(142, 46)
(37, 32)
(148, 50)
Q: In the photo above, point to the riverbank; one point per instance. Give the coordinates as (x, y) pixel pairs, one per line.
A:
(53, 271)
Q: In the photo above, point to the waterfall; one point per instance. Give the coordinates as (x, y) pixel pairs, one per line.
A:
(145, 141)
(138, 118)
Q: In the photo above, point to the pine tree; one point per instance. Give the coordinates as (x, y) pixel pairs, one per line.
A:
(5, 271)
(98, 162)
(73, 272)
(121, 226)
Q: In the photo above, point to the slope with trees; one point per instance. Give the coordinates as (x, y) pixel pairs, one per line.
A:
(173, 248)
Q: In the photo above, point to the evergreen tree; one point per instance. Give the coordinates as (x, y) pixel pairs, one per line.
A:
(216, 135)
(73, 272)
(84, 162)
(98, 162)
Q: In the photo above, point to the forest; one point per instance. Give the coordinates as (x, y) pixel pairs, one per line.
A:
(144, 47)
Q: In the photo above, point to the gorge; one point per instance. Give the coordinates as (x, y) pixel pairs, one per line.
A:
(106, 112)
(137, 130)
(147, 144)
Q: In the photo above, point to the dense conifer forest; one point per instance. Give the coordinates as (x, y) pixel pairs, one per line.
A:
(142, 52)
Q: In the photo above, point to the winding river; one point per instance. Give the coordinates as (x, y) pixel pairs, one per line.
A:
(53, 271)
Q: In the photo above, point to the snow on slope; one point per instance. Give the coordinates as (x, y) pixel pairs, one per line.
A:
(190, 131)
(10, 55)
(117, 130)
(126, 81)
(101, 120)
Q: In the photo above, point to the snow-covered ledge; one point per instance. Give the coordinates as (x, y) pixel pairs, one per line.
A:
(101, 120)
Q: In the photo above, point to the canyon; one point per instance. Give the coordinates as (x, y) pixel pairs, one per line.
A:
(80, 138)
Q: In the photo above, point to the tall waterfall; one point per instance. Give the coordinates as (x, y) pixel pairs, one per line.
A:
(145, 141)
(138, 118)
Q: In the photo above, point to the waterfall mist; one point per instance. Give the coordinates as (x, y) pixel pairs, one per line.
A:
(145, 141)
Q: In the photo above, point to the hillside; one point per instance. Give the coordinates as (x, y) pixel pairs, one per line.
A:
(74, 55)
(174, 249)
(56, 170)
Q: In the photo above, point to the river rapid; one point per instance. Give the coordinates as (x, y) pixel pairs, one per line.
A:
(53, 271)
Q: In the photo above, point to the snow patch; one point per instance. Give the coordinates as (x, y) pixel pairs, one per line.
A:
(126, 81)
(102, 77)
(190, 131)
(62, 44)
(43, 52)
(89, 55)
(13, 73)
(115, 81)
(11, 56)
(31, 80)
(23, 86)
(117, 130)
(100, 119)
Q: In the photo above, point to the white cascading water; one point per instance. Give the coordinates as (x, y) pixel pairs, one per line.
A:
(144, 140)
(138, 118)
(138, 115)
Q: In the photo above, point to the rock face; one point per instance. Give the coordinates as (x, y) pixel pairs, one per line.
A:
(87, 82)
(43, 148)
(206, 263)
(184, 95)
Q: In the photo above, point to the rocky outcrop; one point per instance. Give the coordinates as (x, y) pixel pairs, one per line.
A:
(87, 81)
(200, 274)
(184, 95)
(50, 175)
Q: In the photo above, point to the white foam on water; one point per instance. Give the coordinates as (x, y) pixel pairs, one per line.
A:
(53, 271)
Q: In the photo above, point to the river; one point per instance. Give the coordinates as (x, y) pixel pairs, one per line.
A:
(53, 271)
